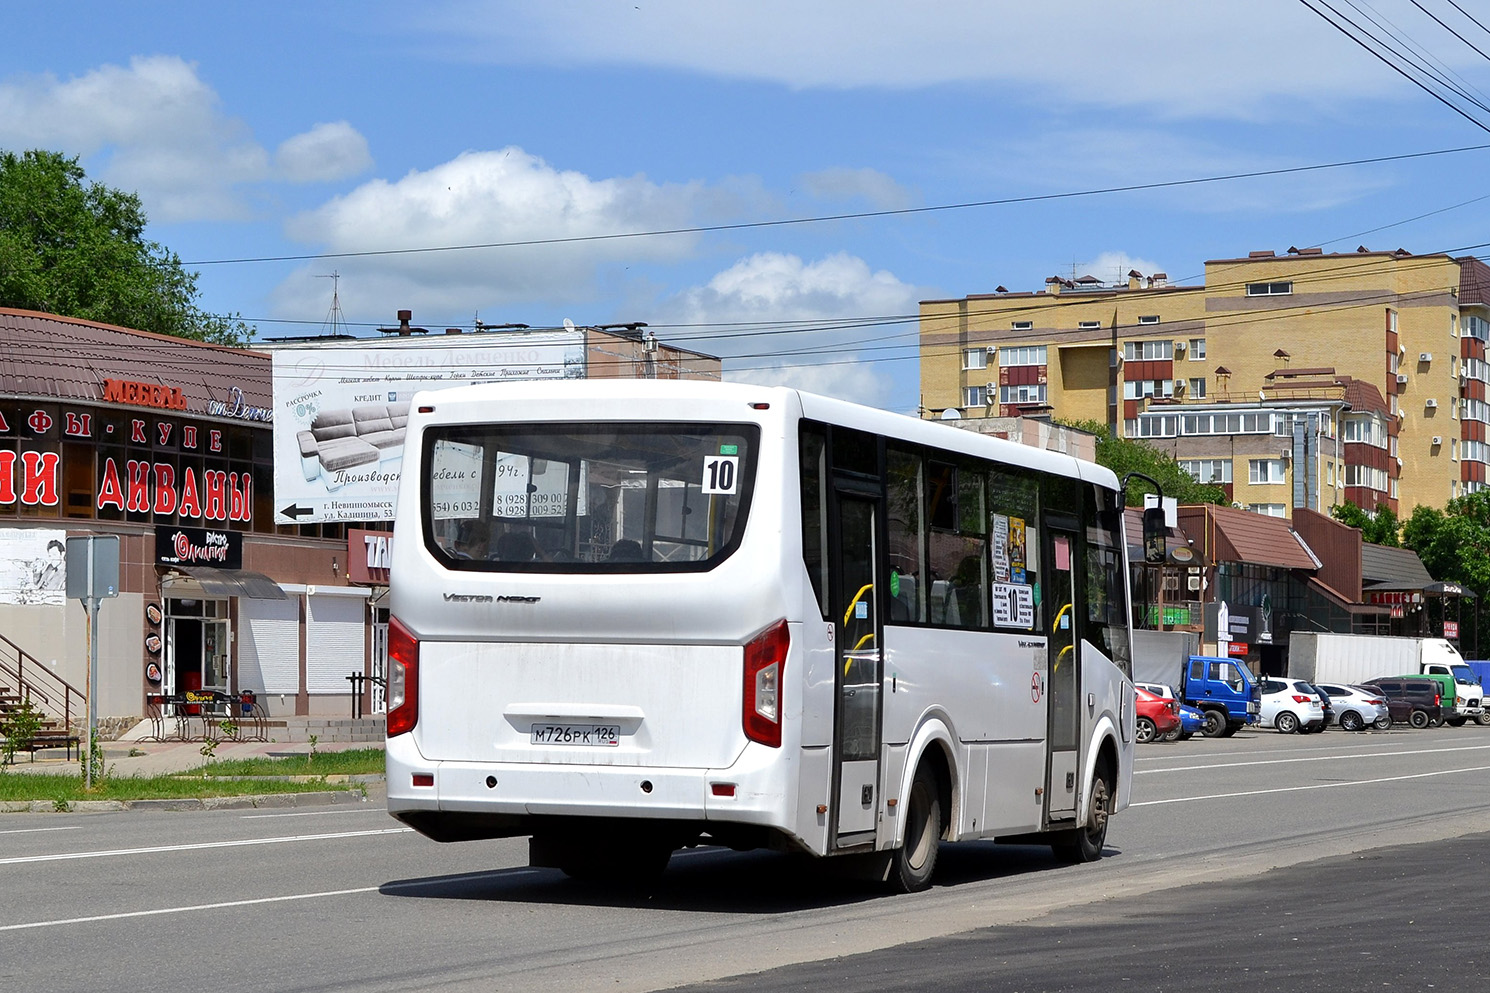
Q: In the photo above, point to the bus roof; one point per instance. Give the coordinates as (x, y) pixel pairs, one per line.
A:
(810, 405)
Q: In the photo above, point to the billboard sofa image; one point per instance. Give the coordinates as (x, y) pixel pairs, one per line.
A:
(344, 439)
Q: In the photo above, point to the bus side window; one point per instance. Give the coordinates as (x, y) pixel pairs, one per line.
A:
(907, 536)
(813, 462)
(957, 547)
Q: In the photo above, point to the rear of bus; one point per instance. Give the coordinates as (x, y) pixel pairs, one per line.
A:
(590, 618)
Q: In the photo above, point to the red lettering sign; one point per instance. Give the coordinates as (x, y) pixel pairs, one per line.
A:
(40, 422)
(7, 477)
(139, 487)
(78, 425)
(163, 430)
(215, 440)
(188, 436)
(165, 488)
(191, 501)
(40, 487)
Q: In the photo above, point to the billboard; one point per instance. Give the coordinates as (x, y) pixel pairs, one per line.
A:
(33, 566)
(340, 410)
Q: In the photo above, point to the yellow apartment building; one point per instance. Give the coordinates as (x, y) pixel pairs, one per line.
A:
(1296, 380)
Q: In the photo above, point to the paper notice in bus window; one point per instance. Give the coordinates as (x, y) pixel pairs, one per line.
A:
(1000, 548)
(721, 473)
(1013, 606)
(1062, 555)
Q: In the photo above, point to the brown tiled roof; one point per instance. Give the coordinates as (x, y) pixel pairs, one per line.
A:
(1243, 536)
(1474, 280)
(45, 356)
(1362, 395)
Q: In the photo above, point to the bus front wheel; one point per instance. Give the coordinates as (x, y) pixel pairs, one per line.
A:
(1084, 844)
(914, 861)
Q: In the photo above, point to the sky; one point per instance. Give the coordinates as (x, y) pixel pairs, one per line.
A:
(777, 183)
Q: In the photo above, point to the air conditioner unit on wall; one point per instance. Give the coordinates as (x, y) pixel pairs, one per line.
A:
(1437, 440)
(1425, 356)
(1172, 583)
(1401, 379)
(1193, 584)
(1430, 403)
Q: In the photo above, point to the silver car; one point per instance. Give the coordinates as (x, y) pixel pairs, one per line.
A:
(1357, 707)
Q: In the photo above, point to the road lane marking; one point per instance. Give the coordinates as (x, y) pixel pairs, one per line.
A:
(1313, 758)
(227, 904)
(62, 856)
(318, 813)
(1315, 786)
(73, 827)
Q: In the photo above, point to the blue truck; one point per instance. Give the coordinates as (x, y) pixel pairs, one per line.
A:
(1482, 669)
(1224, 689)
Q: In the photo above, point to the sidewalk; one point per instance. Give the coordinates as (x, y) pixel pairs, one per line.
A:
(166, 757)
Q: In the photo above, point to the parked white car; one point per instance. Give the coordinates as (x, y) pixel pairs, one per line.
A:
(1291, 705)
(1357, 708)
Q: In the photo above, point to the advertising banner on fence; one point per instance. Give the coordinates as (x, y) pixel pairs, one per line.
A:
(340, 410)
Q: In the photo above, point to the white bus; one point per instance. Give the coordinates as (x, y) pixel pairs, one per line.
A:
(634, 616)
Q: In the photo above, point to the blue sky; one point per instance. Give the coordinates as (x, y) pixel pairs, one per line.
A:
(292, 129)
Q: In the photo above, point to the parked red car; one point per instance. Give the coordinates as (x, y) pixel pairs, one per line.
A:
(1157, 716)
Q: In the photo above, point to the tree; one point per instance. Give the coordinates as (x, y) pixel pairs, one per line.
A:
(1454, 544)
(1380, 528)
(1125, 455)
(71, 247)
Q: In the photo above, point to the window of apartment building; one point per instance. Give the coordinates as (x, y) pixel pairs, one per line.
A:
(1148, 351)
(1197, 349)
(1392, 488)
(1329, 474)
(1022, 355)
(1266, 471)
(1367, 429)
(1148, 319)
(1477, 328)
(1279, 289)
(974, 396)
(1138, 389)
(1028, 393)
(1366, 476)
(1268, 509)
(1088, 325)
(1475, 410)
(1152, 426)
(1208, 470)
(1197, 388)
(1201, 424)
(1022, 325)
(975, 358)
(1454, 449)
(1475, 369)
(1453, 325)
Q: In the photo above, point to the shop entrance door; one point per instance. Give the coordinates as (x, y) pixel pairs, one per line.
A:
(197, 638)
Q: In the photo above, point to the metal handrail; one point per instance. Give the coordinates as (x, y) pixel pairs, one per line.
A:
(33, 683)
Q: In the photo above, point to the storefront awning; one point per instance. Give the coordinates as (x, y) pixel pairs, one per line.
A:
(233, 582)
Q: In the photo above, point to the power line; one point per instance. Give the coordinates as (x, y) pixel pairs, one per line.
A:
(858, 215)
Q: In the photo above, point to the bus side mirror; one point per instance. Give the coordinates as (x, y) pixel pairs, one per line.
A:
(1153, 534)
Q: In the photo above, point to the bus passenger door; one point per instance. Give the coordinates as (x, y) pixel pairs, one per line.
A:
(857, 678)
(1063, 684)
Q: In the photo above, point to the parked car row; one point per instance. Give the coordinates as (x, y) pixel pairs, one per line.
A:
(1296, 706)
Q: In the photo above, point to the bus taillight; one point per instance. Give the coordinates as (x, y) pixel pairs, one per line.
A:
(403, 678)
(765, 660)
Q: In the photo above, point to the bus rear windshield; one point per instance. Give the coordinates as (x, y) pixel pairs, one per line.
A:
(597, 498)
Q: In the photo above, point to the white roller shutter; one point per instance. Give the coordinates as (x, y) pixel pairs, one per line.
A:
(334, 643)
(269, 645)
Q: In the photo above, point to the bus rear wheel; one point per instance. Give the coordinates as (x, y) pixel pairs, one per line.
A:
(914, 861)
(1084, 844)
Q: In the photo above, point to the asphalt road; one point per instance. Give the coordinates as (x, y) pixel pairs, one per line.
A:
(1294, 862)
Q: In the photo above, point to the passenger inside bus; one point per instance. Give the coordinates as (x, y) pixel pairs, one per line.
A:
(472, 540)
(626, 550)
(516, 546)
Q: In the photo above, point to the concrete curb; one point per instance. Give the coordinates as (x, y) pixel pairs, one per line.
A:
(316, 799)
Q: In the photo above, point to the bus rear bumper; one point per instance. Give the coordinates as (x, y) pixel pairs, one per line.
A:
(514, 794)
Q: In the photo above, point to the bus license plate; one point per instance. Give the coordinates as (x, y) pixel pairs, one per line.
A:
(606, 735)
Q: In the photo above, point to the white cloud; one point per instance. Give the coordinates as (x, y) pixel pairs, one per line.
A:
(325, 152)
(496, 197)
(880, 190)
(838, 342)
(1176, 56)
(157, 129)
(1113, 267)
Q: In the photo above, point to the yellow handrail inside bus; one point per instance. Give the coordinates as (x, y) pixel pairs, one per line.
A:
(1056, 624)
(862, 590)
(860, 643)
